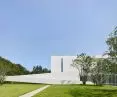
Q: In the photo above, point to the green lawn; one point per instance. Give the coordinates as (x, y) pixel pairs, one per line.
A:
(15, 90)
(78, 91)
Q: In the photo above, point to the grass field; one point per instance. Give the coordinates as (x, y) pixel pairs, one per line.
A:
(15, 90)
(78, 91)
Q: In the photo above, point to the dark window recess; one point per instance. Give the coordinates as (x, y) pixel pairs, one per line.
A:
(61, 64)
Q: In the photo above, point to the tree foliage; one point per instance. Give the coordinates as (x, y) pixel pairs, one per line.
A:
(18, 69)
(12, 68)
(83, 63)
(100, 70)
(3, 71)
(112, 43)
(92, 69)
(39, 69)
(112, 51)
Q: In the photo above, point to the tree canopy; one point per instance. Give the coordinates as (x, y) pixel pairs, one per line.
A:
(83, 64)
(39, 69)
(112, 49)
(12, 68)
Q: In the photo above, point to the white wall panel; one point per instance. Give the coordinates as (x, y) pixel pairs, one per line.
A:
(67, 61)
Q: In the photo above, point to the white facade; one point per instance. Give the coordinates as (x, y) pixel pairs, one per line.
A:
(61, 72)
(62, 64)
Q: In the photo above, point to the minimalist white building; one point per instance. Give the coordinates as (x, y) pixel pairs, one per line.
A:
(61, 72)
(62, 64)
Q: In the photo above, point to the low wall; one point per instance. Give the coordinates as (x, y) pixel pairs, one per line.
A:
(47, 78)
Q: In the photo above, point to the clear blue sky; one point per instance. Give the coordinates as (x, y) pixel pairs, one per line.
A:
(31, 31)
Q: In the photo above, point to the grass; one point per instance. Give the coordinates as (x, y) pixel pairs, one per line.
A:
(78, 91)
(15, 90)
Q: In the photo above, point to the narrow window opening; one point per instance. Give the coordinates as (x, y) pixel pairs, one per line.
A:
(61, 64)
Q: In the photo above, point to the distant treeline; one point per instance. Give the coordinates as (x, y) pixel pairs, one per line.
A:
(39, 69)
(17, 69)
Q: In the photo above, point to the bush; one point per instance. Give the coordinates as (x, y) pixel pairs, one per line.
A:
(2, 77)
(2, 74)
(92, 92)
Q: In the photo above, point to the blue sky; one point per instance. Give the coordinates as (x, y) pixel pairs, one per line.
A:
(31, 31)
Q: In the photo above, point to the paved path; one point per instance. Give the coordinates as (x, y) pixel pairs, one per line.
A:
(30, 94)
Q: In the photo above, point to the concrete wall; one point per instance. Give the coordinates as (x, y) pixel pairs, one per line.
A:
(67, 61)
(47, 78)
(69, 75)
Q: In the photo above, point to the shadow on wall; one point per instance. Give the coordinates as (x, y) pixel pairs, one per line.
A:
(67, 82)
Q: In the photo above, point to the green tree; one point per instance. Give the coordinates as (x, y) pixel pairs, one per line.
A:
(21, 70)
(45, 70)
(112, 51)
(100, 70)
(37, 69)
(3, 70)
(12, 68)
(83, 64)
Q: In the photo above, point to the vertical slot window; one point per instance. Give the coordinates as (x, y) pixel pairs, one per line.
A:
(61, 64)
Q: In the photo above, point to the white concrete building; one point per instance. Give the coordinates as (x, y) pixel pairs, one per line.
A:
(62, 64)
(61, 72)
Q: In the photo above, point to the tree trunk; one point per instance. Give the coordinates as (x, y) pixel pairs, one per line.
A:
(84, 83)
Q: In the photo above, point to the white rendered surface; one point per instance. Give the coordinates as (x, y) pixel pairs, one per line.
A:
(67, 61)
(69, 75)
(47, 78)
